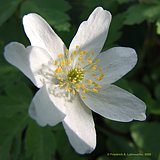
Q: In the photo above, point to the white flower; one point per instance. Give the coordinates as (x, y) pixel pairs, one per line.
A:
(77, 80)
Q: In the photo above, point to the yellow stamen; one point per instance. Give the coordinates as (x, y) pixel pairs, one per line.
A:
(81, 53)
(83, 97)
(78, 86)
(62, 63)
(69, 90)
(60, 55)
(92, 53)
(95, 90)
(89, 62)
(98, 60)
(85, 52)
(77, 47)
(58, 70)
(75, 52)
(83, 86)
(94, 67)
(80, 58)
(100, 69)
(73, 92)
(66, 51)
(89, 81)
(55, 62)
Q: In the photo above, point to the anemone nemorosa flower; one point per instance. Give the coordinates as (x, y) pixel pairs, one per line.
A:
(77, 80)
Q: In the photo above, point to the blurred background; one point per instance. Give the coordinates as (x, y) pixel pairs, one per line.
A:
(135, 24)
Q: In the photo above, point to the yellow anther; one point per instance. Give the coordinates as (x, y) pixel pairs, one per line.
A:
(99, 78)
(62, 63)
(75, 52)
(60, 79)
(67, 84)
(74, 81)
(58, 70)
(82, 61)
(73, 92)
(94, 75)
(81, 53)
(89, 62)
(68, 61)
(95, 90)
(71, 57)
(80, 58)
(84, 91)
(97, 86)
(78, 86)
(98, 60)
(55, 62)
(60, 55)
(66, 51)
(92, 53)
(85, 52)
(69, 90)
(77, 47)
(100, 69)
(83, 97)
(102, 75)
(83, 86)
(94, 67)
(89, 81)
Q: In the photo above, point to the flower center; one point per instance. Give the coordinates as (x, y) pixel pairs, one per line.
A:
(70, 74)
(75, 75)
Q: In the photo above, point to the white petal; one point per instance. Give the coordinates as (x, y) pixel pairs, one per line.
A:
(41, 34)
(92, 33)
(29, 60)
(116, 104)
(46, 108)
(116, 62)
(79, 126)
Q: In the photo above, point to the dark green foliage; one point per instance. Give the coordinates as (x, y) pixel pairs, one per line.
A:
(135, 24)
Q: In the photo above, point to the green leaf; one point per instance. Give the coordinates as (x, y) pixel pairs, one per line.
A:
(142, 92)
(10, 128)
(120, 144)
(157, 91)
(16, 147)
(17, 99)
(122, 1)
(154, 108)
(40, 143)
(7, 8)
(133, 12)
(146, 136)
(138, 13)
(158, 26)
(156, 74)
(14, 91)
(64, 148)
(94, 3)
(115, 30)
(103, 157)
(88, 6)
(53, 11)
(5, 150)
(119, 127)
(123, 83)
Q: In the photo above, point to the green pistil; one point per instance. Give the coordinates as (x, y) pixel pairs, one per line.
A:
(75, 75)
